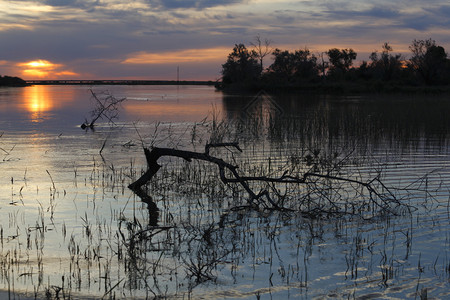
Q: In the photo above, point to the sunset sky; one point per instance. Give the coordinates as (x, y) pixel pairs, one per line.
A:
(149, 39)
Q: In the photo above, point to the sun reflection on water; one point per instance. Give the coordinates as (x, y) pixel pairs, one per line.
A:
(38, 102)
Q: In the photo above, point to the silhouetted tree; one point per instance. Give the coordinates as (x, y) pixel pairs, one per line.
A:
(244, 68)
(429, 61)
(365, 71)
(386, 65)
(283, 65)
(322, 64)
(293, 67)
(340, 60)
(241, 67)
(262, 49)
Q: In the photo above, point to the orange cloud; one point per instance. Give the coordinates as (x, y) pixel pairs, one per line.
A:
(66, 73)
(44, 69)
(39, 64)
(182, 56)
(35, 73)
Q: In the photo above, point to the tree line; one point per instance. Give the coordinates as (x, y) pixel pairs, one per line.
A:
(427, 66)
(12, 81)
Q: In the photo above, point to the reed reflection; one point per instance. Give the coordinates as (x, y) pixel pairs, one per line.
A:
(373, 121)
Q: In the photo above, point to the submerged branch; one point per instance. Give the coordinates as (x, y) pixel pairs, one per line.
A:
(105, 107)
(228, 173)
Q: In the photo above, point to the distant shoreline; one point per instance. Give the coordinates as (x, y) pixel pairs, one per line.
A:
(8, 81)
(119, 82)
(319, 88)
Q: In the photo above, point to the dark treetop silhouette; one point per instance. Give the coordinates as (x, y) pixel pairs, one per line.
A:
(333, 70)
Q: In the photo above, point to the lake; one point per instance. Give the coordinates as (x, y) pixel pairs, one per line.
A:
(374, 224)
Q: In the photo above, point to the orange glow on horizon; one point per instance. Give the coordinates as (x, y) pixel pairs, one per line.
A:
(41, 68)
(35, 73)
(182, 56)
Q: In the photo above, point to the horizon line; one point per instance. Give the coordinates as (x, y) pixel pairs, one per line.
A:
(118, 82)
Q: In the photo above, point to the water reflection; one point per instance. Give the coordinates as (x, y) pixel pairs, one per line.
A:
(168, 103)
(38, 101)
(167, 110)
(42, 108)
(377, 120)
(62, 185)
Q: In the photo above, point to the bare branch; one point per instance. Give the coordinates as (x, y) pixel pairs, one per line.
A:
(105, 107)
(262, 48)
(382, 200)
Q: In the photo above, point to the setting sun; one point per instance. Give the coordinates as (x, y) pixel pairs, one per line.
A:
(41, 68)
(40, 63)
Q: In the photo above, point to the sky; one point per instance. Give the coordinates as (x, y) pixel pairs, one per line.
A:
(151, 39)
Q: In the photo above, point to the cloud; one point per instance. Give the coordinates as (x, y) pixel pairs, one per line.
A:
(72, 3)
(175, 57)
(196, 4)
(381, 12)
(61, 2)
(44, 69)
(440, 14)
(378, 12)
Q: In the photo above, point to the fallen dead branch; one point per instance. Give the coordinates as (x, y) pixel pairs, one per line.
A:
(385, 201)
(106, 106)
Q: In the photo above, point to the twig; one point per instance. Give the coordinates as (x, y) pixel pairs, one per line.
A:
(53, 183)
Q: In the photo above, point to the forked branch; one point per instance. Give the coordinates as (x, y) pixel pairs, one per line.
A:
(152, 155)
(106, 106)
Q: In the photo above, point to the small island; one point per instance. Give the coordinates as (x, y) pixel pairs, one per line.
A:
(12, 81)
(427, 69)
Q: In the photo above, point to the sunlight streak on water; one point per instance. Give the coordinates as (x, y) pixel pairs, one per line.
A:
(38, 102)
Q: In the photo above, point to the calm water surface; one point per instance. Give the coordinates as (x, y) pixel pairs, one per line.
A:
(69, 223)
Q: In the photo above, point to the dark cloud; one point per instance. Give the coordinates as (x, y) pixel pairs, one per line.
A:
(72, 3)
(235, 31)
(70, 40)
(381, 12)
(179, 15)
(440, 14)
(197, 4)
(423, 18)
(285, 16)
(60, 2)
(421, 23)
(374, 12)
